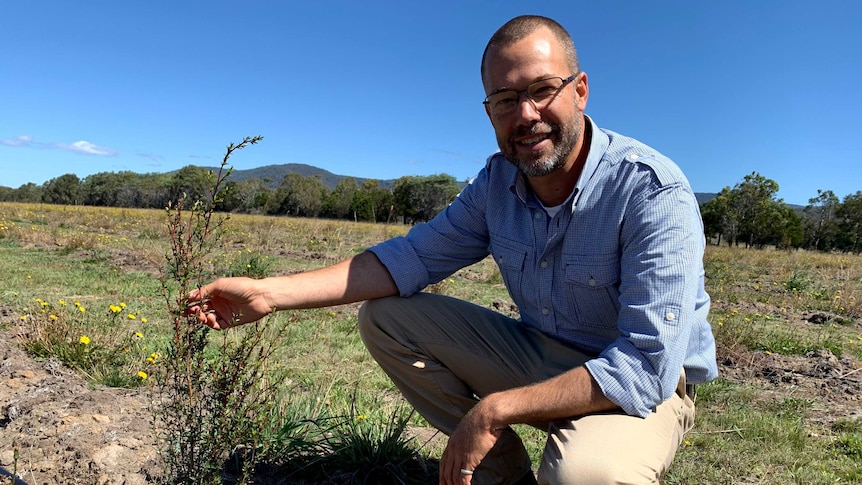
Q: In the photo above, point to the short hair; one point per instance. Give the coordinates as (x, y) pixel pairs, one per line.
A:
(524, 25)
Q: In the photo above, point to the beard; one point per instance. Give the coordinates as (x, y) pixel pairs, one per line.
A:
(564, 137)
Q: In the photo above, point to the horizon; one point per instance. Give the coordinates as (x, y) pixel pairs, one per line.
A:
(376, 91)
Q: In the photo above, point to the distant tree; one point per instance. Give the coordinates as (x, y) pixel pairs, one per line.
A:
(64, 190)
(372, 203)
(250, 195)
(849, 215)
(192, 182)
(421, 198)
(298, 196)
(7, 194)
(752, 204)
(29, 192)
(338, 202)
(821, 223)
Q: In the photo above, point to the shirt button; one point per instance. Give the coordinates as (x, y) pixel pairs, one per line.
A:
(545, 311)
(538, 215)
(544, 264)
(670, 317)
(592, 282)
(634, 156)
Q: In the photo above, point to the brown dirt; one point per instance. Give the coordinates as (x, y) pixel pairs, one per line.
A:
(67, 432)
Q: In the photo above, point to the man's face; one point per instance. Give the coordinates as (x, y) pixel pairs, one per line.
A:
(539, 141)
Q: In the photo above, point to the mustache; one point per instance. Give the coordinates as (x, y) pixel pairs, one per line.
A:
(540, 128)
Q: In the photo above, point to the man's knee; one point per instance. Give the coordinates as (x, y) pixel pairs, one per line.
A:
(595, 470)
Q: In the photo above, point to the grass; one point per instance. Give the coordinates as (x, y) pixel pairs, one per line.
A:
(344, 412)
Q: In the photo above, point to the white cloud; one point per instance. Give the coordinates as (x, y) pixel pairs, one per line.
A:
(18, 141)
(87, 148)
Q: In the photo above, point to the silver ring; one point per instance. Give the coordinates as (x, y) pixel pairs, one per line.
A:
(465, 471)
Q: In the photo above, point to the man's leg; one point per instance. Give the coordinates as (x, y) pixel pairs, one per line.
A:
(614, 448)
(443, 353)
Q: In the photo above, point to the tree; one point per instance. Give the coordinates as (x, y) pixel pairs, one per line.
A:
(192, 182)
(849, 215)
(64, 190)
(29, 192)
(298, 196)
(421, 198)
(752, 205)
(338, 201)
(372, 203)
(821, 223)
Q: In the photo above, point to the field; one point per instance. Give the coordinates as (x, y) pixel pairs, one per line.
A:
(83, 324)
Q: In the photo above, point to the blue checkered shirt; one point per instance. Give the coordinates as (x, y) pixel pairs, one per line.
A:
(618, 272)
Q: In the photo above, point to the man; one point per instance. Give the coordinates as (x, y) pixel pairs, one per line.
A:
(599, 241)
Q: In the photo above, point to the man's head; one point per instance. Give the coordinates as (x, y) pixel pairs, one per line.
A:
(539, 132)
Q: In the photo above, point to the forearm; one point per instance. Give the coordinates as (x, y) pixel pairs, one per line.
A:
(359, 278)
(573, 393)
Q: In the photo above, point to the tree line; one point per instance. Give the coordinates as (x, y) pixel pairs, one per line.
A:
(410, 199)
(748, 214)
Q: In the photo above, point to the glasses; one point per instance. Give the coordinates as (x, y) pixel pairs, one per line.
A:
(540, 93)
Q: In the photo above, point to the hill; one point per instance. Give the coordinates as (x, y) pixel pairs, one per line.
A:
(272, 175)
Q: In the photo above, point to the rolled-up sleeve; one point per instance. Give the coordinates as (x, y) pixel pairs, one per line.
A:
(661, 269)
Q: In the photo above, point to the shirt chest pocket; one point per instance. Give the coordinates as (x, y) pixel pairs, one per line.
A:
(593, 285)
(511, 257)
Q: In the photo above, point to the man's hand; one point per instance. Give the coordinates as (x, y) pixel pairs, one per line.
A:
(228, 302)
(474, 437)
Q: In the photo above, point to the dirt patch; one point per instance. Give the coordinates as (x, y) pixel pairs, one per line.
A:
(66, 431)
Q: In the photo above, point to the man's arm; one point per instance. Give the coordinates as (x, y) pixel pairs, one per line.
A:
(227, 302)
(573, 393)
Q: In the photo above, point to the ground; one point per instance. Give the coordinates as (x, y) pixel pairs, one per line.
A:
(66, 431)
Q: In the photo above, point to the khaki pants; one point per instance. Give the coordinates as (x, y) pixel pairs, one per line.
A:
(444, 354)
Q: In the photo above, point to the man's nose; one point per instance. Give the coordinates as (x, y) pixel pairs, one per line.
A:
(527, 109)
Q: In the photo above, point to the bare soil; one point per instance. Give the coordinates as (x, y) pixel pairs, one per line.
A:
(57, 429)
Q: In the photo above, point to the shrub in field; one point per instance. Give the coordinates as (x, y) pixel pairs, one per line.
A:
(214, 397)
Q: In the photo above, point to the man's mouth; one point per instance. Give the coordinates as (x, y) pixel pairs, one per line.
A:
(533, 139)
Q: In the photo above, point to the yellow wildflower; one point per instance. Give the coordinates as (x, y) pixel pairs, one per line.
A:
(132, 316)
(144, 320)
(114, 309)
(62, 302)
(52, 316)
(84, 340)
(81, 309)
(139, 335)
(142, 374)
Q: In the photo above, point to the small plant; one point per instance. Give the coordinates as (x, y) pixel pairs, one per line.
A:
(215, 397)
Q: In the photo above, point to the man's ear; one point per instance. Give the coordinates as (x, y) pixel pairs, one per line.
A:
(582, 90)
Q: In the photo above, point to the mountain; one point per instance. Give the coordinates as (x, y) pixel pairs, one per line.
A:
(272, 175)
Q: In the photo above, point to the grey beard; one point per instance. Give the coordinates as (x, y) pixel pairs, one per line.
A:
(565, 141)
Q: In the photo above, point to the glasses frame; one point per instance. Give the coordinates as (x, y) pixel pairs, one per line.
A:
(526, 91)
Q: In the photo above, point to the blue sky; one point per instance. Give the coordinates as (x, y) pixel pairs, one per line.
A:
(381, 90)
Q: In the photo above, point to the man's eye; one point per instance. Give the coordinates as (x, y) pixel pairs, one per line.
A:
(504, 102)
(543, 91)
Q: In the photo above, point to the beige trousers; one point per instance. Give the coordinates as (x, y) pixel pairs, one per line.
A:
(444, 354)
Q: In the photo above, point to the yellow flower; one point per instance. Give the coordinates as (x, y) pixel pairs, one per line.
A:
(143, 375)
(62, 302)
(122, 305)
(52, 317)
(77, 303)
(144, 320)
(139, 335)
(361, 417)
(84, 340)
(768, 353)
(23, 318)
(81, 309)
(114, 309)
(132, 316)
